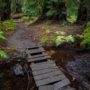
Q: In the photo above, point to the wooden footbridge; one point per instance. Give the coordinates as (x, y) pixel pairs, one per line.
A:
(46, 74)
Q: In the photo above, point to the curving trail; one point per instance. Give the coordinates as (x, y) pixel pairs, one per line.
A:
(19, 42)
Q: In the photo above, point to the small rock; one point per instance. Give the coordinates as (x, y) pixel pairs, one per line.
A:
(18, 70)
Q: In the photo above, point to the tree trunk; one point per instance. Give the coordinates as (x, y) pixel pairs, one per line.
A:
(5, 9)
(84, 10)
(88, 10)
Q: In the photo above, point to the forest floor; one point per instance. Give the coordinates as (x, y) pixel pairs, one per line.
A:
(26, 36)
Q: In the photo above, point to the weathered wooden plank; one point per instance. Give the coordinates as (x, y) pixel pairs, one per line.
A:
(38, 55)
(61, 84)
(44, 71)
(39, 59)
(50, 80)
(46, 87)
(33, 65)
(47, 75)
(33, 47)
(42, 66)
(66, 88)
(37, 50)
(51, 87)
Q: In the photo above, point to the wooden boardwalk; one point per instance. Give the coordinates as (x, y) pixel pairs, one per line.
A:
(46, 74)
(36, 54)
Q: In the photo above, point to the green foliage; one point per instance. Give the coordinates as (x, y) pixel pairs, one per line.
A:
(72, 10)
(86, 37)
(57, 38)
(55, 8)
(3, 54)
(5, 25)
(62, 38)
(44, 40)
(16, 6)
(9, 24)
(25, 18)
(2, 37)
(32, 7)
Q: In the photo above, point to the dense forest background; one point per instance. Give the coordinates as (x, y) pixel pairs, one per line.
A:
(52, 9)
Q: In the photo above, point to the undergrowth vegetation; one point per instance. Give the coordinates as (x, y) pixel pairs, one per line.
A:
(86, 37)
(3, 53)
(9, 24)
(56, 37)
(62, 38)
(52, 9)
(5, 27)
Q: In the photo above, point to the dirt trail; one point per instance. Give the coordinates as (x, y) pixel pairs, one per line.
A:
(16, 41)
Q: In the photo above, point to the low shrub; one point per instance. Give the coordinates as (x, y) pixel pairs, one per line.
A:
(86, 37)
(57, 38)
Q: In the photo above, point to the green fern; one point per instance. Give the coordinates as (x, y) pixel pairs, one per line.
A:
(9, 25)
(60, 39)
(69, 39)
(86, 36)
(3, 54)
(2, 37)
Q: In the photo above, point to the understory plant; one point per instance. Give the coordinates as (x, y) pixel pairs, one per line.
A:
(9, 25)
(55, 37)
(66, 10)
(5, 27)
(32, 7)
(3, 53)
(86, 37)
(72, 10)
(62, 38)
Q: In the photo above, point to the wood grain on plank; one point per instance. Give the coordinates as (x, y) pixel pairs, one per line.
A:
(42, 63)
(38, 55)
(33, 47)
(37, 50)
(43, 71)
(42, 66)
(48, 75)
(61, 84)
(50, 80)
(39, 59)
